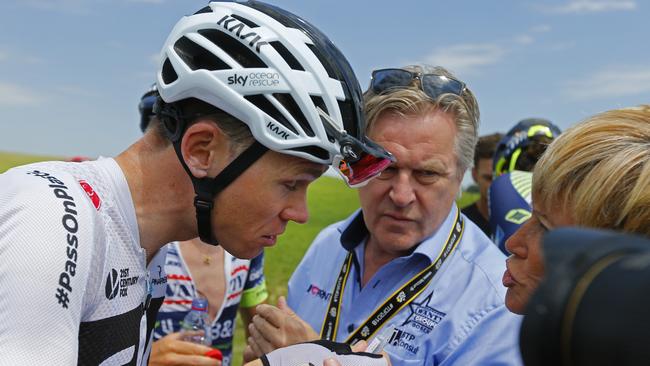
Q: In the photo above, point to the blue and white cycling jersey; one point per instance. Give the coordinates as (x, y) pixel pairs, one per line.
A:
(510, 205)
(245, 286)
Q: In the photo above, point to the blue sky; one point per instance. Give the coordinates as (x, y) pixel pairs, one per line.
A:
(72, 71)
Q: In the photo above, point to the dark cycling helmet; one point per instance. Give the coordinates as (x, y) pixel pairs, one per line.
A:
(523, 145)
(509, 204)
(277, 74)
(145, 107)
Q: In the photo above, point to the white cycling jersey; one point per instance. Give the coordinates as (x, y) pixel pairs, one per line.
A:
(74, 283)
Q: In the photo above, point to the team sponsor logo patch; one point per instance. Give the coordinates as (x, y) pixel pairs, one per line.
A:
(119, 285)
(318, 292)
(94, 198)
(518, 216)
(423, 317)
(404, 340)
(160, 280)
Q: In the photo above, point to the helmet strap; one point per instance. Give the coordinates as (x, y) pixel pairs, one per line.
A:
(206, 189)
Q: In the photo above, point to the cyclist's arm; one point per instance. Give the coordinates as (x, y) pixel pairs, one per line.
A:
(45, 258)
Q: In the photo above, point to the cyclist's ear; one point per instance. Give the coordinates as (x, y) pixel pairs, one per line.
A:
(206, 149)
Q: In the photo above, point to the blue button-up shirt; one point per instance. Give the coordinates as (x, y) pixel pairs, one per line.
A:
(459, 319)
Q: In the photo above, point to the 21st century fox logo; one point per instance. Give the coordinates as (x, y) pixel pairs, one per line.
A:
(115, 285)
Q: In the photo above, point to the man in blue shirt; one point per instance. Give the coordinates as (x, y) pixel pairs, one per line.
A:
(408, 268)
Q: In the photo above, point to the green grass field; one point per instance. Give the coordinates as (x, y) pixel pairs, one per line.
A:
(329, 200)
(8, 160)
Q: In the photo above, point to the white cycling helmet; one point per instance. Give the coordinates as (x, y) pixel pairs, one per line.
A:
(277, 74)
(268, 68)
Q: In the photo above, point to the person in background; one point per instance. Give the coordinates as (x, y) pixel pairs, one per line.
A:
(523, 145)
(407, 268)
(595, 175)
(482, 174)
(82, 271)
(509, 201)
(196, 269)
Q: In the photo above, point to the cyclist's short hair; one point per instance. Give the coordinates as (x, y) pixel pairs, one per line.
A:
(194, 109)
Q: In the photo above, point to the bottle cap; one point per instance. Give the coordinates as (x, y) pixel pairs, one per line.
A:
(200, 304)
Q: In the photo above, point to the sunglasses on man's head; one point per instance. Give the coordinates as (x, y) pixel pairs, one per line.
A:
(433, 85)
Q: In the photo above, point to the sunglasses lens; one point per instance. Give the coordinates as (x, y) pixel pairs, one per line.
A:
(436, 85)
(362, 170)
(390, 78)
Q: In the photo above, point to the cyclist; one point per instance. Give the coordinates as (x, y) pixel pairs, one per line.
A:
(195, 269)
(523, 145)
(509, 194)
(254, 104)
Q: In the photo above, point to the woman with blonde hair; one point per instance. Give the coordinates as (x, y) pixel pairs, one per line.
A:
(596, 174)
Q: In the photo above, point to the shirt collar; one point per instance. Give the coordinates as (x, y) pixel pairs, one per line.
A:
(354, 231)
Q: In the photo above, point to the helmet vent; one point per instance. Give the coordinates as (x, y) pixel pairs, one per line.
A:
(233, 47)
(197, 57)
(169, 75)
(248, 22)
(287, 56)
(314, 151)
(326, 63)
(206, 9)
(265, 105)
(348, 114)
(289, 103)
(320, 103)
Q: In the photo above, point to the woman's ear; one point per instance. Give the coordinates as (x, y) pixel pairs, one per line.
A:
(204, 148)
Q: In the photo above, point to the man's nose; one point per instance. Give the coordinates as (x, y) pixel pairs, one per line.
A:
(296, 210)
(402, 192)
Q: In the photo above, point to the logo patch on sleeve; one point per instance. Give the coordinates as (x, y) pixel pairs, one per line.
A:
(94, 198)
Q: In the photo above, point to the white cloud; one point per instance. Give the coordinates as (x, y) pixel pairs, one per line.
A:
(15, 95)
(593, 6)
(615, 82)
(524, 39)
(466, 58)
(542, 28)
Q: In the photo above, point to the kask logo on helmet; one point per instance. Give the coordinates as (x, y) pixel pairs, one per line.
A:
(236, 29)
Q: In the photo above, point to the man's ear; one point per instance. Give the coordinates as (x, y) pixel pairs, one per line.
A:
(204, 147)
(475, 174)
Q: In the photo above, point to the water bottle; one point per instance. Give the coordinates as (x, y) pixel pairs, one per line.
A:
(195, 327)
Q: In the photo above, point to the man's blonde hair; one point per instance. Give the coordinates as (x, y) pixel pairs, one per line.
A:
(411, 100)
(599, 171)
